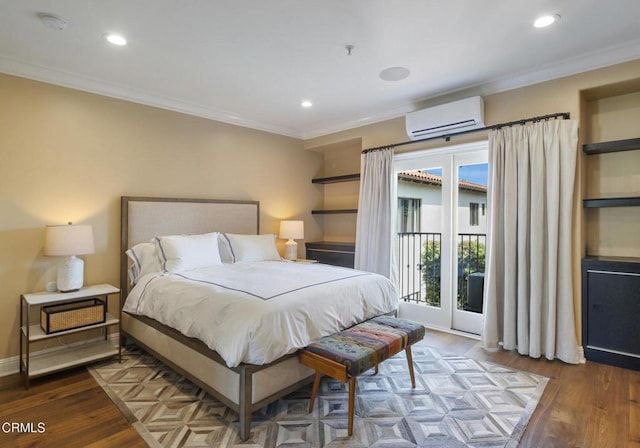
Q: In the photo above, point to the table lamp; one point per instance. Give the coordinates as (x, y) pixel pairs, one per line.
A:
(68, 241)
(291, 230)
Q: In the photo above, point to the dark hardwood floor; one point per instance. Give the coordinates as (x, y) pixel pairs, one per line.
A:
(589, 405)
(73, 407)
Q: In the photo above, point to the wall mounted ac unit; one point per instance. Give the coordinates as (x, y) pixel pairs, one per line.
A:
(446, 119)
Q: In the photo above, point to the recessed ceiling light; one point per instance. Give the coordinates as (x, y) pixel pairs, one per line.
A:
(306, 103)
(394, 73)
(116, 39)
(546, 20)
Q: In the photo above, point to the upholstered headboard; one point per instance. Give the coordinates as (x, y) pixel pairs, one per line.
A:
(142, 218)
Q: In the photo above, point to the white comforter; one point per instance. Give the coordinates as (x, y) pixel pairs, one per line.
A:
(256, 312)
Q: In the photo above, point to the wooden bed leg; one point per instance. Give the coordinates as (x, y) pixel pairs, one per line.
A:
(244, 413)
(410, 362)
(314, 390)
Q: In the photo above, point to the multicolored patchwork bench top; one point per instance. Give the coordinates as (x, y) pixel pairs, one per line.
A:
(363, 346)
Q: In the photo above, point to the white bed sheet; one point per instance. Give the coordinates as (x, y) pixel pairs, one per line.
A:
(257, 312)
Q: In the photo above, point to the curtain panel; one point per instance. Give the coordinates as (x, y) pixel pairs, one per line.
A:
(376, 214)
(528, 302)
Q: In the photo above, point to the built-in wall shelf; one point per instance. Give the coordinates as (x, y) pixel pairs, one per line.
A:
(629, 144)
(613, 146)
(632, 201)
(343, 211)
(336, 179)
(334, 213)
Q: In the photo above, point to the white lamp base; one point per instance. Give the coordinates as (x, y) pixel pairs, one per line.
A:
(70, 274)
(291, 250)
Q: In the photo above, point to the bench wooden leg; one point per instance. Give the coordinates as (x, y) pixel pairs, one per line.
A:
(314, 390)
(376, 371)
(352, 402)
(410, 362)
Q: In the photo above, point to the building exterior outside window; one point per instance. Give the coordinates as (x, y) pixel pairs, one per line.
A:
(409, 215)
(474, 218)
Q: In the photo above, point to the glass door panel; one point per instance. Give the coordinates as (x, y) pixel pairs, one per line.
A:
(423, 234)
(419, 230)
(471, 234)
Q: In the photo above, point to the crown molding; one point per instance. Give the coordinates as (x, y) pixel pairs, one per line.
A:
(94, 85)
(387, 114)
(606, 57)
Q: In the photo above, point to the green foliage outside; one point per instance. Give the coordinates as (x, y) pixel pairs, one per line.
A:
(471, 258)
(431, 271)
(471, 255)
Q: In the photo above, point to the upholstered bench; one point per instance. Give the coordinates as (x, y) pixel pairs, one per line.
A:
(345, 355)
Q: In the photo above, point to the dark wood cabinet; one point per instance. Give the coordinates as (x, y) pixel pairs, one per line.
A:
(327, 252)
(611, 311)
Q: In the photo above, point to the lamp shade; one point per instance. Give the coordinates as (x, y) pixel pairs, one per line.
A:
(292, 230)
(68, 240)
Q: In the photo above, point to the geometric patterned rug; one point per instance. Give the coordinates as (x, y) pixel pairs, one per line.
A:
(457, 402)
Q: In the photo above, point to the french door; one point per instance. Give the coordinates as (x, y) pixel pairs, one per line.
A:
(441, 235)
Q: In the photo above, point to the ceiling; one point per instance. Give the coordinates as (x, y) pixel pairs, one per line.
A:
(252, 62)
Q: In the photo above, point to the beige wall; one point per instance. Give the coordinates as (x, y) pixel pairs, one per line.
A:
(560, 95)
(68, 155)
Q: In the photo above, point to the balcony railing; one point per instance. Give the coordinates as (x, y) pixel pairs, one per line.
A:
(420, 268)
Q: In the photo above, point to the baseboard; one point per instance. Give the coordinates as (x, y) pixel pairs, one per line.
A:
(11, 366)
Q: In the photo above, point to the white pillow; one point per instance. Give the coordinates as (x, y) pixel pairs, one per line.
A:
(144, 260)
(224, 247)
(179, 253)
(253, 247)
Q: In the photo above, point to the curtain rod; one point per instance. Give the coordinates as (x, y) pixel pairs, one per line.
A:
(447, 137)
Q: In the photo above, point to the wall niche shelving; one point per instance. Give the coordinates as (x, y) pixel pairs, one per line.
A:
(611, 268)
(340, 182)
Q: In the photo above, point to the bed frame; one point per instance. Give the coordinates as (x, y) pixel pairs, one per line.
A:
(245, 388)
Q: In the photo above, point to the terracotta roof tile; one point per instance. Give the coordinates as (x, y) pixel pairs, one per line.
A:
(433, 179)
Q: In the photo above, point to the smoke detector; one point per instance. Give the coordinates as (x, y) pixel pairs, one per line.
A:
(53, 22)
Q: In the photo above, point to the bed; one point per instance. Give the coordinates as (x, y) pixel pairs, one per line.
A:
(256, 371)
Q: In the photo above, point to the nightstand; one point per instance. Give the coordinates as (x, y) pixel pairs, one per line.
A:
(304, 260)
(75, 354)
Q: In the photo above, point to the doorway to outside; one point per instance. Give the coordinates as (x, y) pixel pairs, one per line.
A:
(441, 235)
